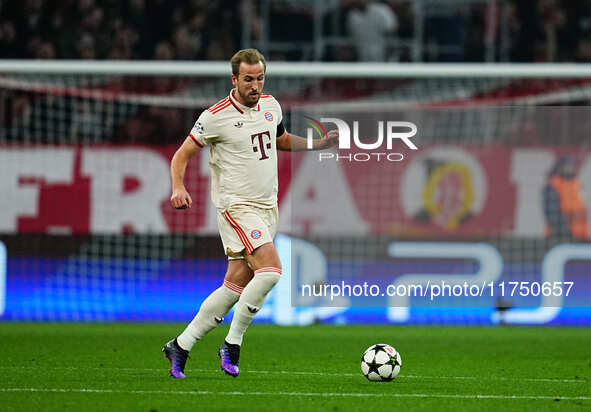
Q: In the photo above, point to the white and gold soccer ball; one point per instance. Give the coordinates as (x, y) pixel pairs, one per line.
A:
(381, 363)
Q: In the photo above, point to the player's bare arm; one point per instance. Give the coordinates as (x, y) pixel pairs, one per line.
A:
(180, 198)
(292, 143)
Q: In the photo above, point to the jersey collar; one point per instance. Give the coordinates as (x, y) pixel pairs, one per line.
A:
(240, 107)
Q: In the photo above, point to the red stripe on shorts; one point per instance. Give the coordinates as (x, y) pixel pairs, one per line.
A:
(239, 232)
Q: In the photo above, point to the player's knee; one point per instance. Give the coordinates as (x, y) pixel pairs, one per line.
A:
(264, 256)
(238, 273)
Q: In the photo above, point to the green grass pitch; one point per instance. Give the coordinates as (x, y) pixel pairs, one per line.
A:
(119, 367)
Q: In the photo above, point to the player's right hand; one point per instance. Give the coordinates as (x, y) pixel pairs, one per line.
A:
(180, 199)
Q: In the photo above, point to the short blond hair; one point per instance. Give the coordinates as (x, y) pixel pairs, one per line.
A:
(248, 56)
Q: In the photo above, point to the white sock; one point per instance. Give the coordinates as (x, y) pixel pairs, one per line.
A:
(212, 311)
(250, 302)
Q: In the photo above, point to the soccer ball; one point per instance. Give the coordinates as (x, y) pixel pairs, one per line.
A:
(381, 363)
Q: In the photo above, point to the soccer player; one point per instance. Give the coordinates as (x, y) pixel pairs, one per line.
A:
(243, 132)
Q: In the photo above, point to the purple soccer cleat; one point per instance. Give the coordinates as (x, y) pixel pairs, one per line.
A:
(229, 356)
(177, 357)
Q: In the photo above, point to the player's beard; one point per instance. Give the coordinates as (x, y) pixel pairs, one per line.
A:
(249, 99)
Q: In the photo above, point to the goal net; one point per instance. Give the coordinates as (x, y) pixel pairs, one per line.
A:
(497, 193)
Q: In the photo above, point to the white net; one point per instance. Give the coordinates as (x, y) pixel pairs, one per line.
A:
(85, 181)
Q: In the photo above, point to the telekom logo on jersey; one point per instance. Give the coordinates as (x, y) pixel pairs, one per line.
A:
(259, 145)
(388, 131)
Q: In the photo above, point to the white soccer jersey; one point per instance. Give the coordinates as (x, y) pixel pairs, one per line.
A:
(243, 151)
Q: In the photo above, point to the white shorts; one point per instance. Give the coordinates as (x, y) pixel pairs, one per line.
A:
(244, 228)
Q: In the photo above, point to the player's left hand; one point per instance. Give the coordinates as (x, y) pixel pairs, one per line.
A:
(332, 139)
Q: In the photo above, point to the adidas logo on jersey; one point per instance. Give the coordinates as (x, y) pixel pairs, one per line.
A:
(238, 124)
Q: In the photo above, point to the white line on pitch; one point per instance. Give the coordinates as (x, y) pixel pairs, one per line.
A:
(500, 378)
(310, 373)
(300, 394)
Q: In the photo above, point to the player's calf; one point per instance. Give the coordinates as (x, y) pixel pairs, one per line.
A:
(251, 301)
(210, 315)
(249, 304)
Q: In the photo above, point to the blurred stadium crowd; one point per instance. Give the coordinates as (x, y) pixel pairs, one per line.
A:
(527, 30)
